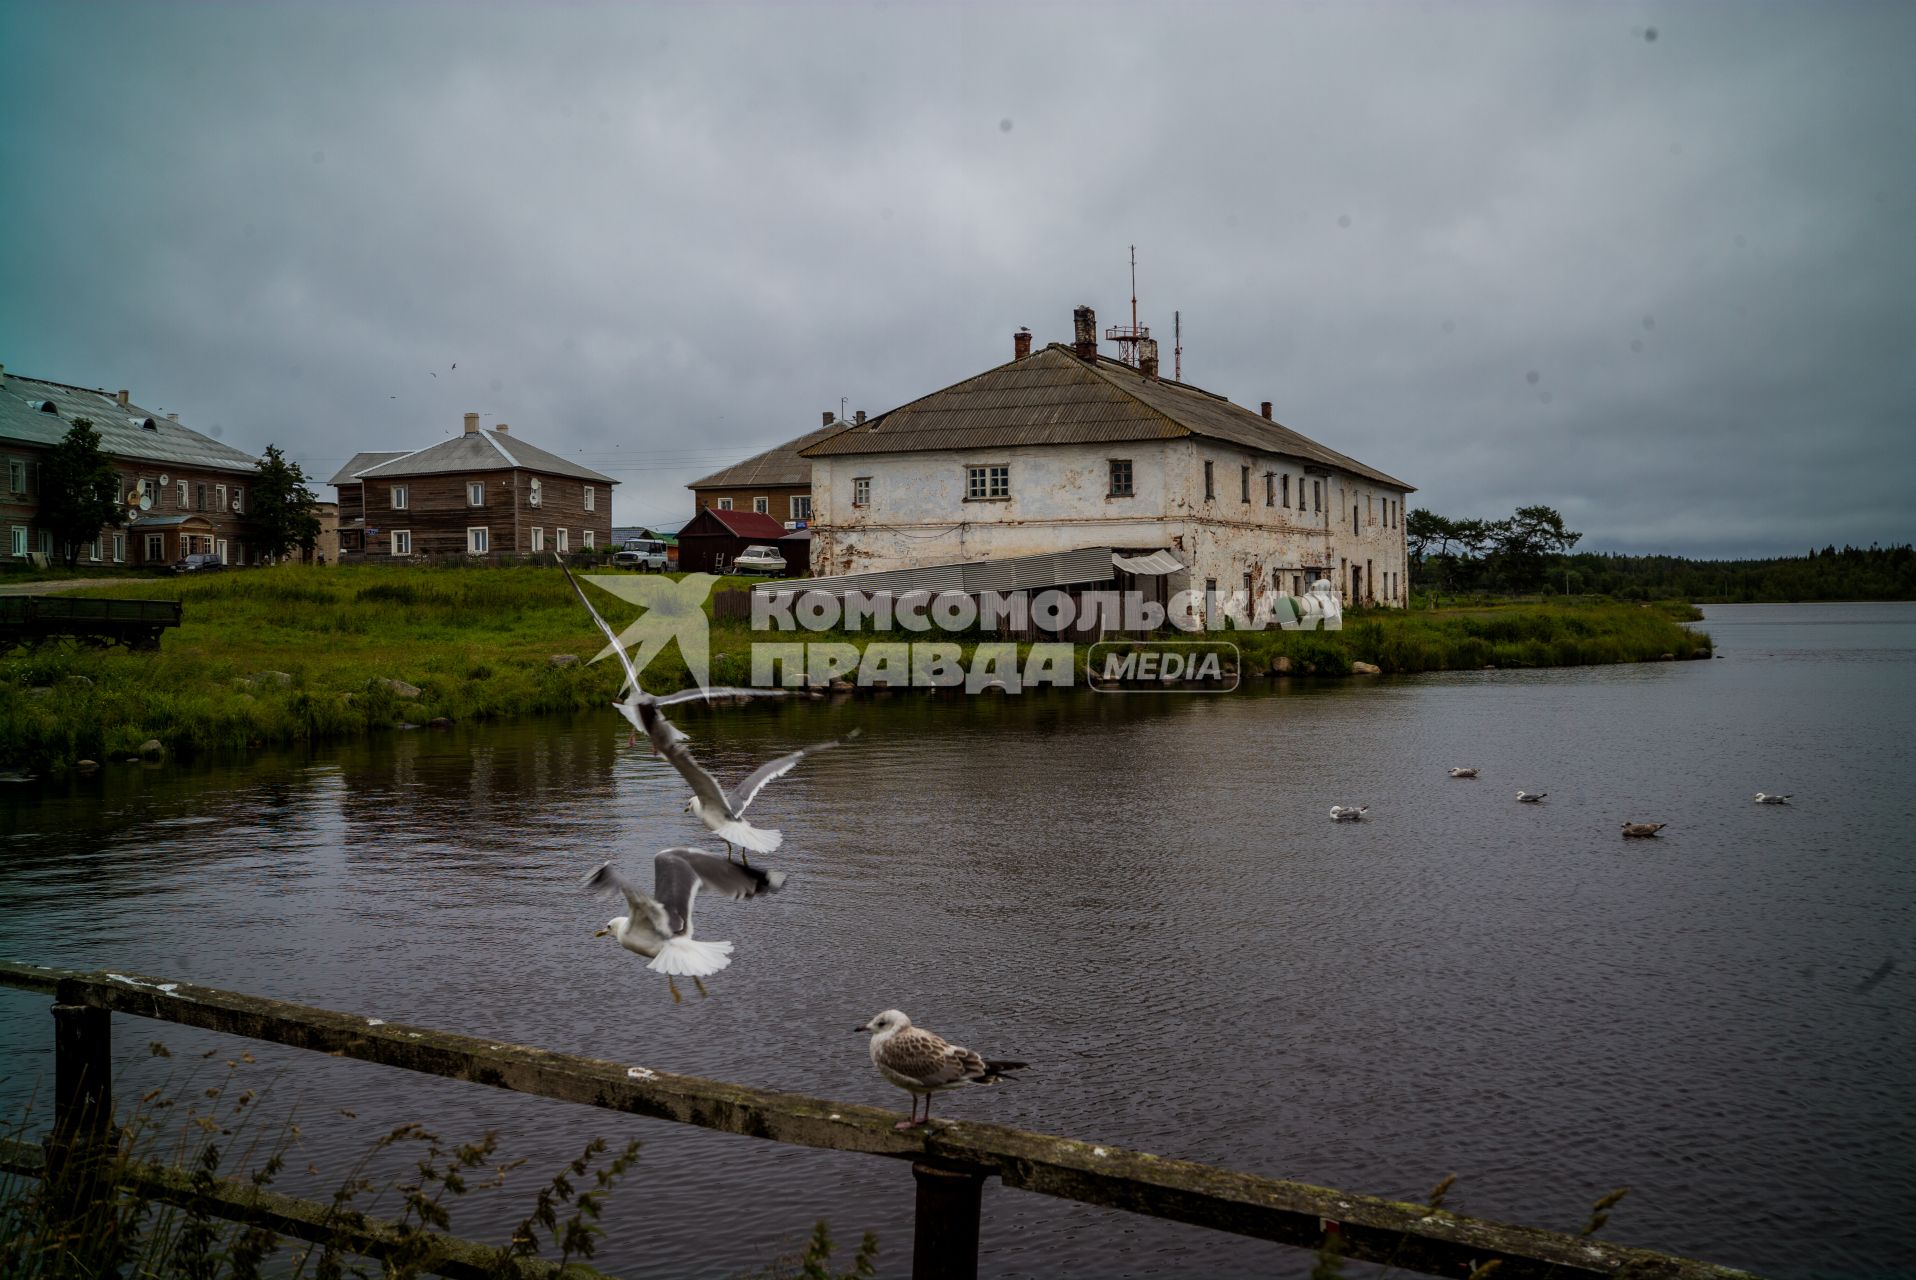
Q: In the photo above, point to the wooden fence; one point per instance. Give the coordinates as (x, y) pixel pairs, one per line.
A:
(950, 1161)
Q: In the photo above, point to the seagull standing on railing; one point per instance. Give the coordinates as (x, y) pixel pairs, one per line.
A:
(659, 924)
(923, 1063)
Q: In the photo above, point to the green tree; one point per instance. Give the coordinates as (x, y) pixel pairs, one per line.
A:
(79, 491)
(282, 507)
(1521, 547)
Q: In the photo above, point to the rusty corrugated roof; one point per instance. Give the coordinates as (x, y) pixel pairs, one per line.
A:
(1052, 397)
(779, 465)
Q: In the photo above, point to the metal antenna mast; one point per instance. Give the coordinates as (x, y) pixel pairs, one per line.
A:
(1129, 336)
(1177, 346)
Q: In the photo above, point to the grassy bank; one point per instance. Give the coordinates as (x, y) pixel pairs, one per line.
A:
(295, 654)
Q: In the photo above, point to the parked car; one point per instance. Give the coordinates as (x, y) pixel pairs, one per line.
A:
(641, 553)
(759, 559)
(199, 562)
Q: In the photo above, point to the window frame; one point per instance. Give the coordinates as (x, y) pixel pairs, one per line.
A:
(806, 513)
(475, 493)
(861, 491)
(475, 535)
(398, 534)
(722, 504)
(562, 540)
(1287, 491)
(1210, 481)
(219, 498)
(17, 544)
(538, 539)
(1121, 478)
(1244, 483)
(585, 539)
(186, 495)
(16, 475)
(400, 497)
(761, 505)
(988, 482)
(591, 497)
(119, 548)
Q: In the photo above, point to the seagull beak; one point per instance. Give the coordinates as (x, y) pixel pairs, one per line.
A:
(601, 933)
(861, 1028)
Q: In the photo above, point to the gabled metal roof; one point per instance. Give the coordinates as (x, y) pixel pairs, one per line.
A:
(479, 451)
(780, 465)
(1053, 397)
(124, 430)
(349, 474)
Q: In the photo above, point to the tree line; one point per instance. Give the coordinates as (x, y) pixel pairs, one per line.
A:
(80, 497)
(1531, 551)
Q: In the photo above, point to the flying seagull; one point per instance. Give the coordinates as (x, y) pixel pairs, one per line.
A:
(1640, 830)
(922, 1063)
(724, 814)
(1463, 773)
(1531, 797)
(659, 926)
(1764, 797)
(1349, 813)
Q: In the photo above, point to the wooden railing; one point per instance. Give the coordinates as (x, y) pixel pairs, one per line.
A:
(950, 1160)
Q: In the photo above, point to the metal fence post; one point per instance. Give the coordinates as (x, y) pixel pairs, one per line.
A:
(83, 1139)
(945, 1235)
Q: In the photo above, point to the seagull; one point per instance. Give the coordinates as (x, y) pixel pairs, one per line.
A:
(1349, 813)
(922, 1063)
(660, 927)
(1531, 797)
(1463, 773)
(1764, 797)
(1642, 829)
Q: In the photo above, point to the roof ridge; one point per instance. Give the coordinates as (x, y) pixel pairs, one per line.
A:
(506, 453)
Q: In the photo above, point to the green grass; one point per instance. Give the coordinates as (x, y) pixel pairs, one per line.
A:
(477, 643)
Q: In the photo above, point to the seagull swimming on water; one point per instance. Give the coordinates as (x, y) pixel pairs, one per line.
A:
(923, 1063)
(1642, 830)
(1464, 773)
(659, 924)
(1349, 813)
(1531, 797)
(1764, 797)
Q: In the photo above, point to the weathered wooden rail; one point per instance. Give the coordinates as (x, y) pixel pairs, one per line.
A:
(950, 1160)
(137, 624)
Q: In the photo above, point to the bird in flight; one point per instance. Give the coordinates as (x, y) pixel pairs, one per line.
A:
(658, 925)
(923, 1063)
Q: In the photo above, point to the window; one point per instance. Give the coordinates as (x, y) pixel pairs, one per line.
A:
(538, 540)
(724, 504)
(1210, 589)
(985, 483)
(1317, 495)
(239, 498)
(1210, 481)
(479, 541)
(562, 545)
(585, 539)
(155, 548)
(1247, 584)
(402, 497)
(801, 506)
(402, 542)
(1244, 484)
(1121, 480)
(476, 493)
(1353, 517)
(199, 496)
(1270, 488)
(219, 497)
(46, 542)
(533, 495)
(119, 548)
(591, 498)
(19, 540)
(1370, 510)
(185, 497)
(862, 491)
(1287, 491)
(16, 475)
(93, 552)
(763, 506)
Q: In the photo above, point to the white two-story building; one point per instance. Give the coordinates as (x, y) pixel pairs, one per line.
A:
(1064, 448)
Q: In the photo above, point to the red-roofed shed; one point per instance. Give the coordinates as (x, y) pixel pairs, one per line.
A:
(715, 538)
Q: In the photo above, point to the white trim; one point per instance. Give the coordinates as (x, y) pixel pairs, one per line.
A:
(18, 545)
(562, 541)
(538, 539)
(480, 485)
(484, 533)
(119, 548)
(492, 437)
(400, 499)
(585, 539)
(397, 534)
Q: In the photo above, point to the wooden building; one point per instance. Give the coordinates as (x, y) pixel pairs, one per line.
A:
(775, 483)
(185, 492)
(716, 537)
(484, 494)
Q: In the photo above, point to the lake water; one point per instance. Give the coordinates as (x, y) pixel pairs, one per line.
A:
(1142, 896)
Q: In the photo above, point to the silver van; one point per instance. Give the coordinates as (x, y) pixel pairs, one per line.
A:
(641, 553)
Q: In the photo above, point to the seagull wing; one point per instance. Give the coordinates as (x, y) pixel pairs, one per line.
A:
(637, 900)
(676, 883)
(671, 745)
(743, 794)
(727, 878)
(631, 676)
(717, 691)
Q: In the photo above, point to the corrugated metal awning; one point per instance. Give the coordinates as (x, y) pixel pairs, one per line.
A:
(1154, 564)
(1015, 573)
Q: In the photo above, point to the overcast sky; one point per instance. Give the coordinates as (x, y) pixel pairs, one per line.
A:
(1652, 264)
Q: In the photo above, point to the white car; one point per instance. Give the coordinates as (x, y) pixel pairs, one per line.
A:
(641, 553)
(759, 559)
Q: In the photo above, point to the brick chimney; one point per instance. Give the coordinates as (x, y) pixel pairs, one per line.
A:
(172, 417)
(1148, 358)
(1021, 344)
(828, 419)
(123, 397)
(472, 423)
(1265, 409)
(501, 428)
(1084, 342)
(859, 417)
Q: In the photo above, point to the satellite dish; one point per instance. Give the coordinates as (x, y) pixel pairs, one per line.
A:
(236, 504)
(163, 482)
(145, 502)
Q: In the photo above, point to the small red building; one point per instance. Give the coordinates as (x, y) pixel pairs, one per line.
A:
(715, 538)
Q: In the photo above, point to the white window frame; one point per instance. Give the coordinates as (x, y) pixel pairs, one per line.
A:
(988, 483)
(534, 492)
(479, 540)
(591, 498)
(761, 505)
(861, 491)
(585, 539)
(239, 499)
(724, 504)
(93, 550)
(16, 475)
(186, 498)
(400, 498)
(219, 499)
(538, 540)
(119, 548)
(562, 540)
(475, 493)
(19, 547)
(801, 506)
(401, 542)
